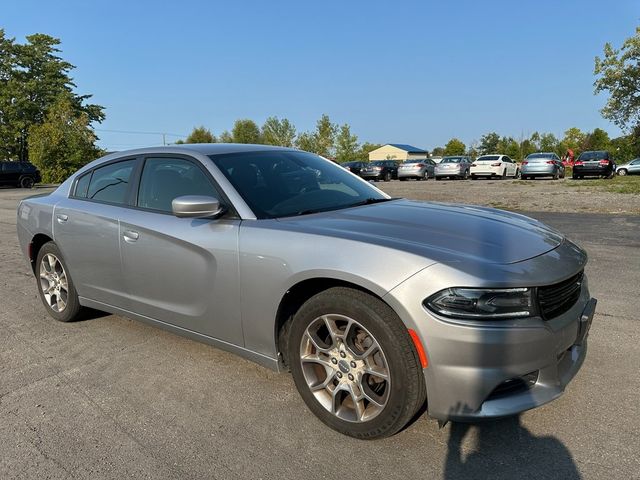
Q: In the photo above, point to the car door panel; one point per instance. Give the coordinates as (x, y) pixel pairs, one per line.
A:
(183, 271)
(87, 235)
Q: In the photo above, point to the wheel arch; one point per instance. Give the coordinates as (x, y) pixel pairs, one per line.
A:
(295, 297)
(34, 248)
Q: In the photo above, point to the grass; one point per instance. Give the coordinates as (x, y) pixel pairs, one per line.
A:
(628, 184)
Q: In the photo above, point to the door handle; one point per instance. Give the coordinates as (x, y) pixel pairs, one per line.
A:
(62, 218)
(130, 236)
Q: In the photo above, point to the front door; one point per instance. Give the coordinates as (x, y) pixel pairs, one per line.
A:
(181, 271)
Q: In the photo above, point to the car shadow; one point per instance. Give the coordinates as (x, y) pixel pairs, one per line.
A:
(505, 449)
(90, 314)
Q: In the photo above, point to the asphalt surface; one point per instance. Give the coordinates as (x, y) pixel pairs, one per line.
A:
(108, 397)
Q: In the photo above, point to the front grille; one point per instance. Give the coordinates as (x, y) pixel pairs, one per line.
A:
(554, 300)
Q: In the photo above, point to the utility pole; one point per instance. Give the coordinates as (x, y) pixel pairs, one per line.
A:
(164, 142)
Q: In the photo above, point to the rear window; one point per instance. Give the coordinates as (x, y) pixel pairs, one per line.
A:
(595, 155)
(10, 167)
(487, 158)
(111, 182)
(541, 156)
(453, 159)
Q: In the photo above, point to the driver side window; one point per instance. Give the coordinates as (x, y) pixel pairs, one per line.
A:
(164, 179)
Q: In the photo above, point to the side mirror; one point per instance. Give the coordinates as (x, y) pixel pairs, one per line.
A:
(196, 206)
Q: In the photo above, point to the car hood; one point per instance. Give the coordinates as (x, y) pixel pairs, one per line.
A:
(441, 232)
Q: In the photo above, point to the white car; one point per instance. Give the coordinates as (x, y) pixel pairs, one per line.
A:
(500, 166)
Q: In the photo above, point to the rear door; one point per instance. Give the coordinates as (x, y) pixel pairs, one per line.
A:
(634, 166)
(86, 229)
(181, 271)
(10, 173)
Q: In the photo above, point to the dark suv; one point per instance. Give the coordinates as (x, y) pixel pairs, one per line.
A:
(380, 170)
(355, 167)
(595, 163)
(19, 174)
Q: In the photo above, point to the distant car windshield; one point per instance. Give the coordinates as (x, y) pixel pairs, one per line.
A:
(452, 160)
(281, 183)
(486, 158)
(596, 155)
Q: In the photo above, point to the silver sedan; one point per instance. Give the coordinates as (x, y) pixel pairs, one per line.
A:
(418, 169)
(542, 165)
(374, 304)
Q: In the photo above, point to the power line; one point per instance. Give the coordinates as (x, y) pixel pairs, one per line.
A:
(133, 132)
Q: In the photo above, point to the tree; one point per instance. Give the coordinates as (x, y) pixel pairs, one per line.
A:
(574, 139)
(548, 142)
(278, 132)
(225, 137)
(454, 147)
(363, 153)
(246, 131)
(346, 144)
(619, 74)
(200, 135)
(489, 143)
(33, 77)
(527, 147)
(321, 140)
(597, 140)
(325, 136)
(63, 142)
(306, 141)
(437, 152)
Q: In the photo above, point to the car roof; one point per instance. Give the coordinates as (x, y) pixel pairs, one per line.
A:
(202, 148)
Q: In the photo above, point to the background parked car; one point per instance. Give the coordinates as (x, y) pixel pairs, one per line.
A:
(594, 163)
(380, 170)
(354, 167)
(545, 164)
(453, 167)
(497, 165)
(631, 168)
(19, 174)
(418, 169)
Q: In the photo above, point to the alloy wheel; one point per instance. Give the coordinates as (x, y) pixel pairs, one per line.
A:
(345, 368)
(54, 283)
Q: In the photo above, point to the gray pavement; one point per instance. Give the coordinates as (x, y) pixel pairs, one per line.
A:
(111, 398)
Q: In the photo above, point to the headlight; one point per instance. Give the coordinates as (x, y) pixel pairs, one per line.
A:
(478, 303)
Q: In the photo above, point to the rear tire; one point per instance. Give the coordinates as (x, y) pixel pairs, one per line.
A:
(26, 182)
(330, 335)
(55, 286)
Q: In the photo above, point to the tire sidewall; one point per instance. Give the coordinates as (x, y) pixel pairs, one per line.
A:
(394, 416)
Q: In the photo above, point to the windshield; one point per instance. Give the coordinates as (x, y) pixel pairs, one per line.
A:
(593, 155)
(452, 160)
(281, 183)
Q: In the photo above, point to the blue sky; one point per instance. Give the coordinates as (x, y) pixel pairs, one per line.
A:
(417, 72)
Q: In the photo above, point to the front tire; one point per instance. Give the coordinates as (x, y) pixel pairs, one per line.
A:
(354, 364)
(55, 286)
(622, 172)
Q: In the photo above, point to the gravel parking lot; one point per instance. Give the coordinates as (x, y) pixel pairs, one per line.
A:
(541, 195)
(111, 398)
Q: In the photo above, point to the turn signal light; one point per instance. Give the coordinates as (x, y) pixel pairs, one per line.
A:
(525, 163)
(496, 164)
(578, 163)
(604, 162)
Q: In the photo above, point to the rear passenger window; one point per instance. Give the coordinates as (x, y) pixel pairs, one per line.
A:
(82, 185)
(111, 182)
(164, 179)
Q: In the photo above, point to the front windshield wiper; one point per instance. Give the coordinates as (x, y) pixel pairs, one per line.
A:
(370, 201)
(367, 201)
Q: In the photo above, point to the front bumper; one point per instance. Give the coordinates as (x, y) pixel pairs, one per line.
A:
(470, 362)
